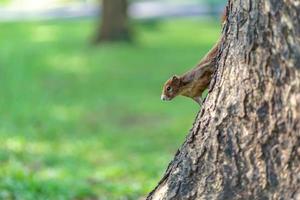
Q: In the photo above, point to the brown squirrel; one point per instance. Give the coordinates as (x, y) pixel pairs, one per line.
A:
(194, 82)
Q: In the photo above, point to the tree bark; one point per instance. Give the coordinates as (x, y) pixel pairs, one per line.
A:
(114, 21)
(245, 142)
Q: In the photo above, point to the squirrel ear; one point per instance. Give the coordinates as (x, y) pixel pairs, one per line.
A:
(175, 77)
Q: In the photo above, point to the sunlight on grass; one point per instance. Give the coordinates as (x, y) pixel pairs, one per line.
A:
(82, 122)
(13, 144)
(44, 33)
(50, 173)
(75, 64)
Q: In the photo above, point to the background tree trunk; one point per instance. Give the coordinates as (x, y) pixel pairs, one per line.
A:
(245, 142)
(114, 21)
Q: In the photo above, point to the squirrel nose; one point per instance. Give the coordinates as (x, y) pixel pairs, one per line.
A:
(163, 97)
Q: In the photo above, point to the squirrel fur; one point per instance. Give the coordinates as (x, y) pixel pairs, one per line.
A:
(192, 83)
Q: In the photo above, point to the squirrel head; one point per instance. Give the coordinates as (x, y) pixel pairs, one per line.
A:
(171, 88)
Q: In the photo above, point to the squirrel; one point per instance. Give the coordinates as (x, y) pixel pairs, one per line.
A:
(194, 82)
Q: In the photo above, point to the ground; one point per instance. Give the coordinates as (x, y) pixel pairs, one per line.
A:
(84, 122)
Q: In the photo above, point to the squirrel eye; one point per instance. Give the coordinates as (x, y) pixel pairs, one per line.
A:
(169, 89)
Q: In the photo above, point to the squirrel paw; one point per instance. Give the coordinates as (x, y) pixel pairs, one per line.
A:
(199, 100)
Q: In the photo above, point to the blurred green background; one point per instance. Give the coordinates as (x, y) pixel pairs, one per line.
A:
(86, 122)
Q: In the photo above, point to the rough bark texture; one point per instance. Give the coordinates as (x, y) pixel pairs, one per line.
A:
(245, 142)
(114, 21)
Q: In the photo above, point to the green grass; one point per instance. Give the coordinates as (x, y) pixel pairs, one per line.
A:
(79, 122)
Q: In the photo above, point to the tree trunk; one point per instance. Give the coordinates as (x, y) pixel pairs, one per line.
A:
(114, 21)
(245, 142)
